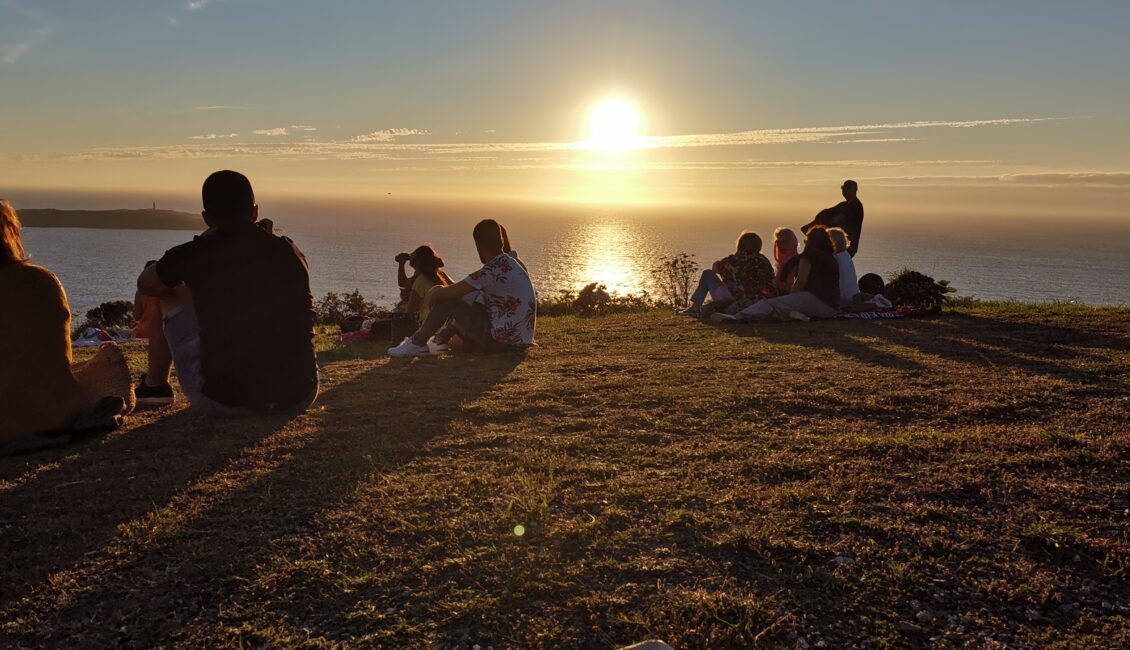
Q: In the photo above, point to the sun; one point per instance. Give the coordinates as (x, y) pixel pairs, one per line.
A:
(614, 125)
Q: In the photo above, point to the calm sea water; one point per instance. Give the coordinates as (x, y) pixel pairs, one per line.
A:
(568, 252)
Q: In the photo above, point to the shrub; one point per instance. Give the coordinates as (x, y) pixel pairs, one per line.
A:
(674, 278)
(108, 315)
(912, 288)
(593, 299)
(335, 307)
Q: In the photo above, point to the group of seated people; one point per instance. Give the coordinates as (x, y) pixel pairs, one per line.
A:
(493, 309)
(232, 310)
(814, 283)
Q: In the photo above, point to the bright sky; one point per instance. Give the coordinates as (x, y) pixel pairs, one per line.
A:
(730, 102)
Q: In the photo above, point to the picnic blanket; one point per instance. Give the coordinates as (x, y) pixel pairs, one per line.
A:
(895, 312)
(92, 338)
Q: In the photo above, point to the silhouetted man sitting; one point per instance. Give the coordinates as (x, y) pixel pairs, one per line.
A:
(237, 311)
(495, 308)
(847, 214)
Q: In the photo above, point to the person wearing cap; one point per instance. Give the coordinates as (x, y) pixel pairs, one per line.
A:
(847, 214)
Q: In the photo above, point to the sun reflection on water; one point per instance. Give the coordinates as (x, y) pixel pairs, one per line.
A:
(614, 252)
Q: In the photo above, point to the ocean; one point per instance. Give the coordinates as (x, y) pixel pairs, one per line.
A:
(563, 250)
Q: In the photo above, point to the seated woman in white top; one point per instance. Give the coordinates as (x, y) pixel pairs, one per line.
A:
(849, 283)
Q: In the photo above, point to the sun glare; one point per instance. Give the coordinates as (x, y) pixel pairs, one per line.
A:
(614, 125)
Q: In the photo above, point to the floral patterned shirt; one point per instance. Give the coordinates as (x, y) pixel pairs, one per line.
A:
(506, 290)
(748, 275)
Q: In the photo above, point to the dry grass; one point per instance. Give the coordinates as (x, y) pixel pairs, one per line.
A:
(962, 480)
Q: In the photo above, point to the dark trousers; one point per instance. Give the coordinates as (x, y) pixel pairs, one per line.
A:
(471, 321)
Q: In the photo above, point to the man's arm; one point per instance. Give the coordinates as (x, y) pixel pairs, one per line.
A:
(150, 284)
(450, 292)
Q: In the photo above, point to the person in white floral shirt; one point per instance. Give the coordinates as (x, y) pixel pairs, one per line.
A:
(501, 316)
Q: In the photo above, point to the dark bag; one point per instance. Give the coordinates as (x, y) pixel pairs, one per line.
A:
(394, 327)
(352, 324)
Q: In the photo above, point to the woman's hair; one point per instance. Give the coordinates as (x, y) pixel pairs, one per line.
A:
(11, 245)
(783, 234)
(749, 242)
(818, 240)
(840, 239)
(425, 260)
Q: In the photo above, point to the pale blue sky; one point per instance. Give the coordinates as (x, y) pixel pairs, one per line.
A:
(143, 90)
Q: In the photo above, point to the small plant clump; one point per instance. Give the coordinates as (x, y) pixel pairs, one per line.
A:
(914, 289)
(108, 315)
(334, 307)
(594, 298)
(674, 278)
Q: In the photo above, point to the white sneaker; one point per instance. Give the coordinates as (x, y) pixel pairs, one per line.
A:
(408, 349)
(796, 315)
(718, 318)
(436, 348)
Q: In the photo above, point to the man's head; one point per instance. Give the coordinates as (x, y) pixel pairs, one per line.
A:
(488, 239)
(848, 189)
(228, 199)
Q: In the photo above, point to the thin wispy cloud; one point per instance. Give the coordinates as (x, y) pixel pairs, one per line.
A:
(821, 133)
(214, 136)
(1094, 179)
(387, 144)
(388, 135)
(11, 54)
(302, 127)
(197, 5)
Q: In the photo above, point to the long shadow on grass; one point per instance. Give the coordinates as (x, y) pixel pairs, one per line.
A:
(52, 521)
(1039, 348)
(181, 551)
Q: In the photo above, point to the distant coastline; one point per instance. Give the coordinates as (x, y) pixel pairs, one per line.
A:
(120, 219)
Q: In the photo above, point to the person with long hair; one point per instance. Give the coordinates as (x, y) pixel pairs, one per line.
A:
(38, 391)
(785, 258)
(428, 267)
(815, 292)
(849, 283)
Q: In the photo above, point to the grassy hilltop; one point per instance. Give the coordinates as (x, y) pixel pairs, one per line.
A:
(126, 219)
(950, 481)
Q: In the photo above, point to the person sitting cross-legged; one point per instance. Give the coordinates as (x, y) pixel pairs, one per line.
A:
(237, 312)
(494, 308)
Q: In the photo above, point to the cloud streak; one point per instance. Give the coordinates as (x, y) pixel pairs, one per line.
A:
(387, 144)
(388, 135)
(11, 54)
(214, 136)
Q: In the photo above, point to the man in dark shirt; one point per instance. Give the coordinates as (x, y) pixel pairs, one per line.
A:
(847, 214)
(237, 311)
